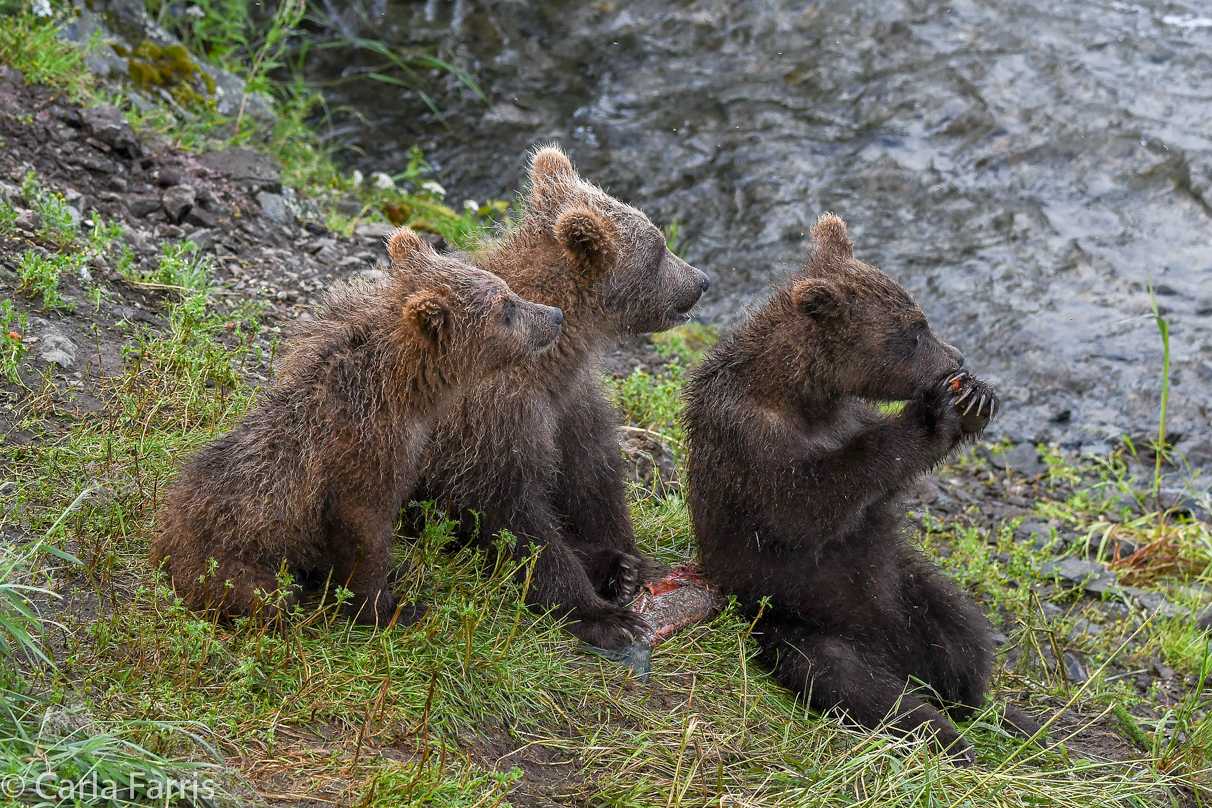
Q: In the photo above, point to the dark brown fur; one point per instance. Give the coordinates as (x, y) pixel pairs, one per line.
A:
(535, 450)
(313, 477)
(795, 485)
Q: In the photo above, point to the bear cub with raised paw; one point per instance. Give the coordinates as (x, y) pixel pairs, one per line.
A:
(795, 482)
(312, 479)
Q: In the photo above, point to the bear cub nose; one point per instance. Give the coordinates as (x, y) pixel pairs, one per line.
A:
(558, 316)
(704, 281)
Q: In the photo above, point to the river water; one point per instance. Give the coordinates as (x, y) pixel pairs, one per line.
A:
(1022, 166)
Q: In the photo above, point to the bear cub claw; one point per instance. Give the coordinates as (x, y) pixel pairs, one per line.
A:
(975, 400)
(624, 582)
(612, 629)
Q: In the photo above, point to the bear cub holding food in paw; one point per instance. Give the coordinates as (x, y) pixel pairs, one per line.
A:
(313, 477)
(795, 484)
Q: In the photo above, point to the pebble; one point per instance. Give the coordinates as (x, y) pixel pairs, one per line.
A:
(1023, 458)
(57, 348)
(274, 207)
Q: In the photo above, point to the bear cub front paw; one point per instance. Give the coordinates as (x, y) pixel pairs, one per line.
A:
(975, 401)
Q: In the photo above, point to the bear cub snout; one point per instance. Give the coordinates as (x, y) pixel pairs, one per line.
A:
(311, 480)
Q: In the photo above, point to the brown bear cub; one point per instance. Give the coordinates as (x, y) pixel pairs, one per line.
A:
(794, 488)
(535, 450)
(313, 478)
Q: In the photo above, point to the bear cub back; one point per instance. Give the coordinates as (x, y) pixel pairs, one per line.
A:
(310, 481)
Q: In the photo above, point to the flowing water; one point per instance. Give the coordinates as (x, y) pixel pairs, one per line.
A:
(1022, 166)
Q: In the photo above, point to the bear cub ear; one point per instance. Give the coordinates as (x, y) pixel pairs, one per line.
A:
(817, 299)
(405, 247)
(551, 166)
(587, 238)
(431, 315)
(830, 240)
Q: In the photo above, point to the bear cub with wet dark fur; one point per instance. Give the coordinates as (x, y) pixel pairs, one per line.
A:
(313, 478)
(795, 483)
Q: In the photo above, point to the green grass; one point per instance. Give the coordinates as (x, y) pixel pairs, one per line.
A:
(31, 44)
(328, 709)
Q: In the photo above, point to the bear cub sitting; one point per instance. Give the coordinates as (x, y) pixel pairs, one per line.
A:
(794, 487)
(313, 478)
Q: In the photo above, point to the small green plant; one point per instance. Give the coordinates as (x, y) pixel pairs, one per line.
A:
(12, 345)
(58, 224)
(181, 269)
(8, 215)
(32, 44)
(39, 275)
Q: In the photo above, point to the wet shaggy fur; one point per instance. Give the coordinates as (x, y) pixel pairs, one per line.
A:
(535, 450)
(311, 480)
(795, 484)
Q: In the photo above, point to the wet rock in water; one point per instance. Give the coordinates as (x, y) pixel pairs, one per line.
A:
(649, 462)
(1092, 577)
(108, 125)
(248, 170)
(56, 348)
(1076, 669)
(274, 207)
(1023, 459)
(374, 230)
(178, 201)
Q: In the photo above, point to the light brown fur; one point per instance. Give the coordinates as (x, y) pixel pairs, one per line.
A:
(312, 478)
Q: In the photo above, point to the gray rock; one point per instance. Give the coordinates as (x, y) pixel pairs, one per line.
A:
(28, 220)
(99, 56)
(141, 206)
(1076, 669)
(1204, 620)
(11, 75)
(203, 237)
(374, 230)
(1038, 534)
(201, 217)
(1092, 577)
(178, 201)
(649, 462)
(328, 254)
(108, 125)
(1153, 603)
(1023, 458)
(247, 169)
(274, 207)
(56, 348)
